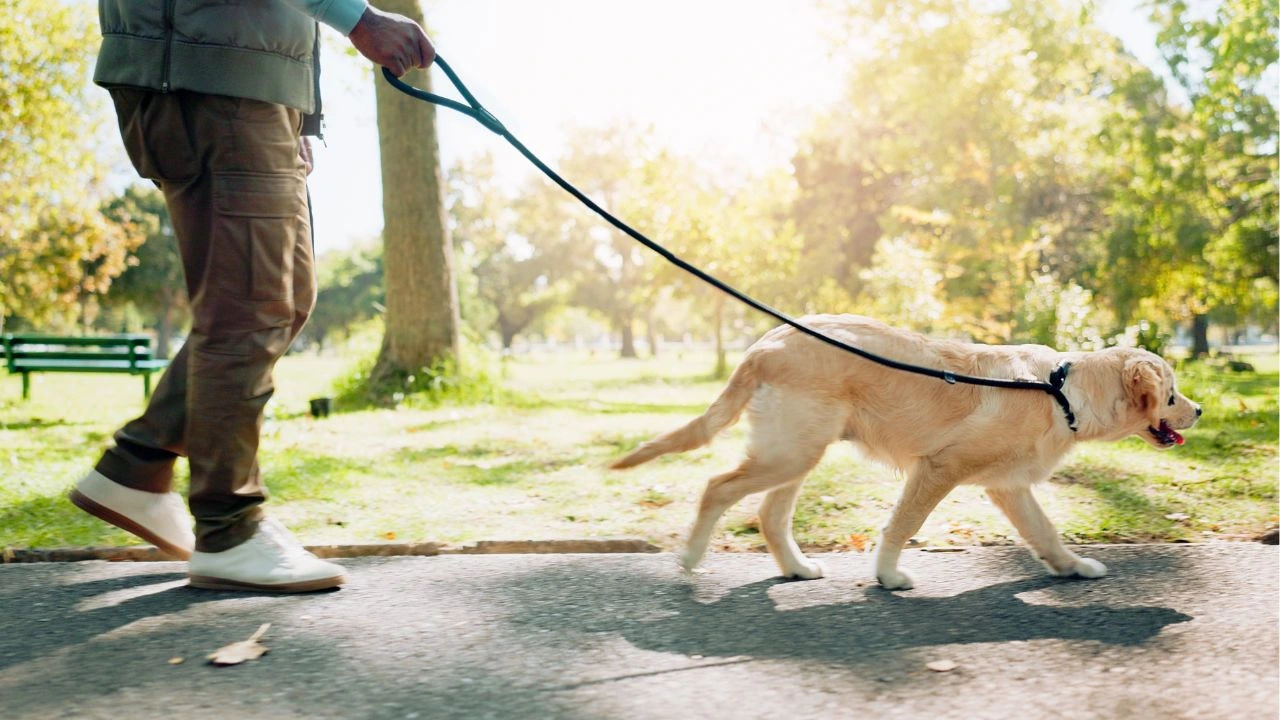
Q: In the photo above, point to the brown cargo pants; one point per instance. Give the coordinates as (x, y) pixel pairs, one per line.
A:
(235, 187)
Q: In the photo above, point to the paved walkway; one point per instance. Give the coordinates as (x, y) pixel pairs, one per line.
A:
(1175, 631)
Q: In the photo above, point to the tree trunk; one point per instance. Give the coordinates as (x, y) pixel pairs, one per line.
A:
(507, 332)
(722, 362)
(421, 294)
(1199, 336)
(628, 337)
(164, 330)
(650, 334)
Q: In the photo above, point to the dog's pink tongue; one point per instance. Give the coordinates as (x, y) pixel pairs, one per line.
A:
(1177, 438)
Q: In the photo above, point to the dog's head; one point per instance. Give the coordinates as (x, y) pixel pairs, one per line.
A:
(1152, 407)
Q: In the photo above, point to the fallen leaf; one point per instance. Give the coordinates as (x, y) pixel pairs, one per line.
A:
(238, 652)
(175, 661)
(858, 541)
(941, 666)
(389, 535)
(656, 502)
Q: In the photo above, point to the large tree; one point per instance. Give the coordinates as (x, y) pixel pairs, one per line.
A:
(621, 169)
(422, 296)
(55, 246)
(963, 138)
(512, 245)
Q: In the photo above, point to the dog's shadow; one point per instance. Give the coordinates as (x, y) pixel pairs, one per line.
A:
(863, 625)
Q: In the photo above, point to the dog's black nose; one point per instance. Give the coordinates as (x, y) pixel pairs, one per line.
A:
(1199, 411)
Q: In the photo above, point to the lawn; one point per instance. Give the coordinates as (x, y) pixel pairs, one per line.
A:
(532, 467)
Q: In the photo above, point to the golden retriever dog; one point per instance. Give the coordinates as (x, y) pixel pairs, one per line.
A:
(802, 395)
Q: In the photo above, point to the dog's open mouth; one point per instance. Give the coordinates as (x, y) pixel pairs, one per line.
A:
(1166, 435)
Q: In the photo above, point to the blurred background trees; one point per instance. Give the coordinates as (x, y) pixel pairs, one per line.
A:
(999, 172)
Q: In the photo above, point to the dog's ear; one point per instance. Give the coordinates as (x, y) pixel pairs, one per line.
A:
(1142, 384)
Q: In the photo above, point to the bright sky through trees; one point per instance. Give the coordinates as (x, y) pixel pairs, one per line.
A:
(730, 81)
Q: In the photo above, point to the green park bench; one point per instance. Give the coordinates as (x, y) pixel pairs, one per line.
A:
(130, 354)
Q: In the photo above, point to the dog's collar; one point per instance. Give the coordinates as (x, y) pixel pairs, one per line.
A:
(1057, 379)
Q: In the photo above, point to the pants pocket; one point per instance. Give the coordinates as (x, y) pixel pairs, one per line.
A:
(256, 225)
(156, 135)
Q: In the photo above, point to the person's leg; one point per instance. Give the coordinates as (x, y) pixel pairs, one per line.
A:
(236, 194)
(242, 229)
(257, 287)
(147, 447)
(130, 485)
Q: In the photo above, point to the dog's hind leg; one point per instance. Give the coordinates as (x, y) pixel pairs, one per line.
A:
(775, 523)
(754, 475)
(926, 486)
(1020, 506)
(789, 434)
(785, 461)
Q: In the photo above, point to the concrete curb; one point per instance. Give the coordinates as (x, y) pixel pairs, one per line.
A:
(148, 553)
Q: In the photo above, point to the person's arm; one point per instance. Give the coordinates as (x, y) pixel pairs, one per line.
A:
(341, 15)
(393, 41)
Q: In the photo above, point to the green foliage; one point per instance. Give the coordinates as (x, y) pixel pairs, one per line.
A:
(1194, 188)
(1047, 175)
(152, 281)
(350, 292)
(512, 246)
(56, 250)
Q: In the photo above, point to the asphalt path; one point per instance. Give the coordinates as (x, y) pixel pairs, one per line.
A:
(1174, 631)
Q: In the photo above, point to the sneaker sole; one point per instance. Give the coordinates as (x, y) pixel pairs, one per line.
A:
(205, 582)
(106, 514)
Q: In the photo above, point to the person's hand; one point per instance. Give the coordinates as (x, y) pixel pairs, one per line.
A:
(392, 41)
(304, 152)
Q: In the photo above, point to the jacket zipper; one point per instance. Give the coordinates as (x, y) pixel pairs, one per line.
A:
(168, 44)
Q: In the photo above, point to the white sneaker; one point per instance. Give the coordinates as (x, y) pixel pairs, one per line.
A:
(159, 518)
(272, 561)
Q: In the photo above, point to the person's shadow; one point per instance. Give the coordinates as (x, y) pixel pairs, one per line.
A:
(48, 612)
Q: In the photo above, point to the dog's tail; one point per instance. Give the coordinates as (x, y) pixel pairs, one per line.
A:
(698, 432)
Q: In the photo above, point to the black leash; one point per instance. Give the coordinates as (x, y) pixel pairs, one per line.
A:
(477, 112)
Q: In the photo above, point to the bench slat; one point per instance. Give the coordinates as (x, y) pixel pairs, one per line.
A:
(91, 341)
(73, 365)
(114, 354)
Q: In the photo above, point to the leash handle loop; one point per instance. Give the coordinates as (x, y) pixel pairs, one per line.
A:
(473, 109)
(477, 112)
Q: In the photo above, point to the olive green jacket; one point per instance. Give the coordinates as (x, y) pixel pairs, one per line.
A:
(264, 50)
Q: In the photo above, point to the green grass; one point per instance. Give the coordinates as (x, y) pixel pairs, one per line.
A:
(533, 466)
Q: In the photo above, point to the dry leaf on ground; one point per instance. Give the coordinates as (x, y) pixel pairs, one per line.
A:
(238, 652)
(858, 541)
(175, 661)
(941, 666)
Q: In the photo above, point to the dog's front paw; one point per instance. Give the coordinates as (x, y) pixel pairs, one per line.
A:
(1083, 567)
(688, 561)
(1090, 568)
(895, 580)
(806, 570)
